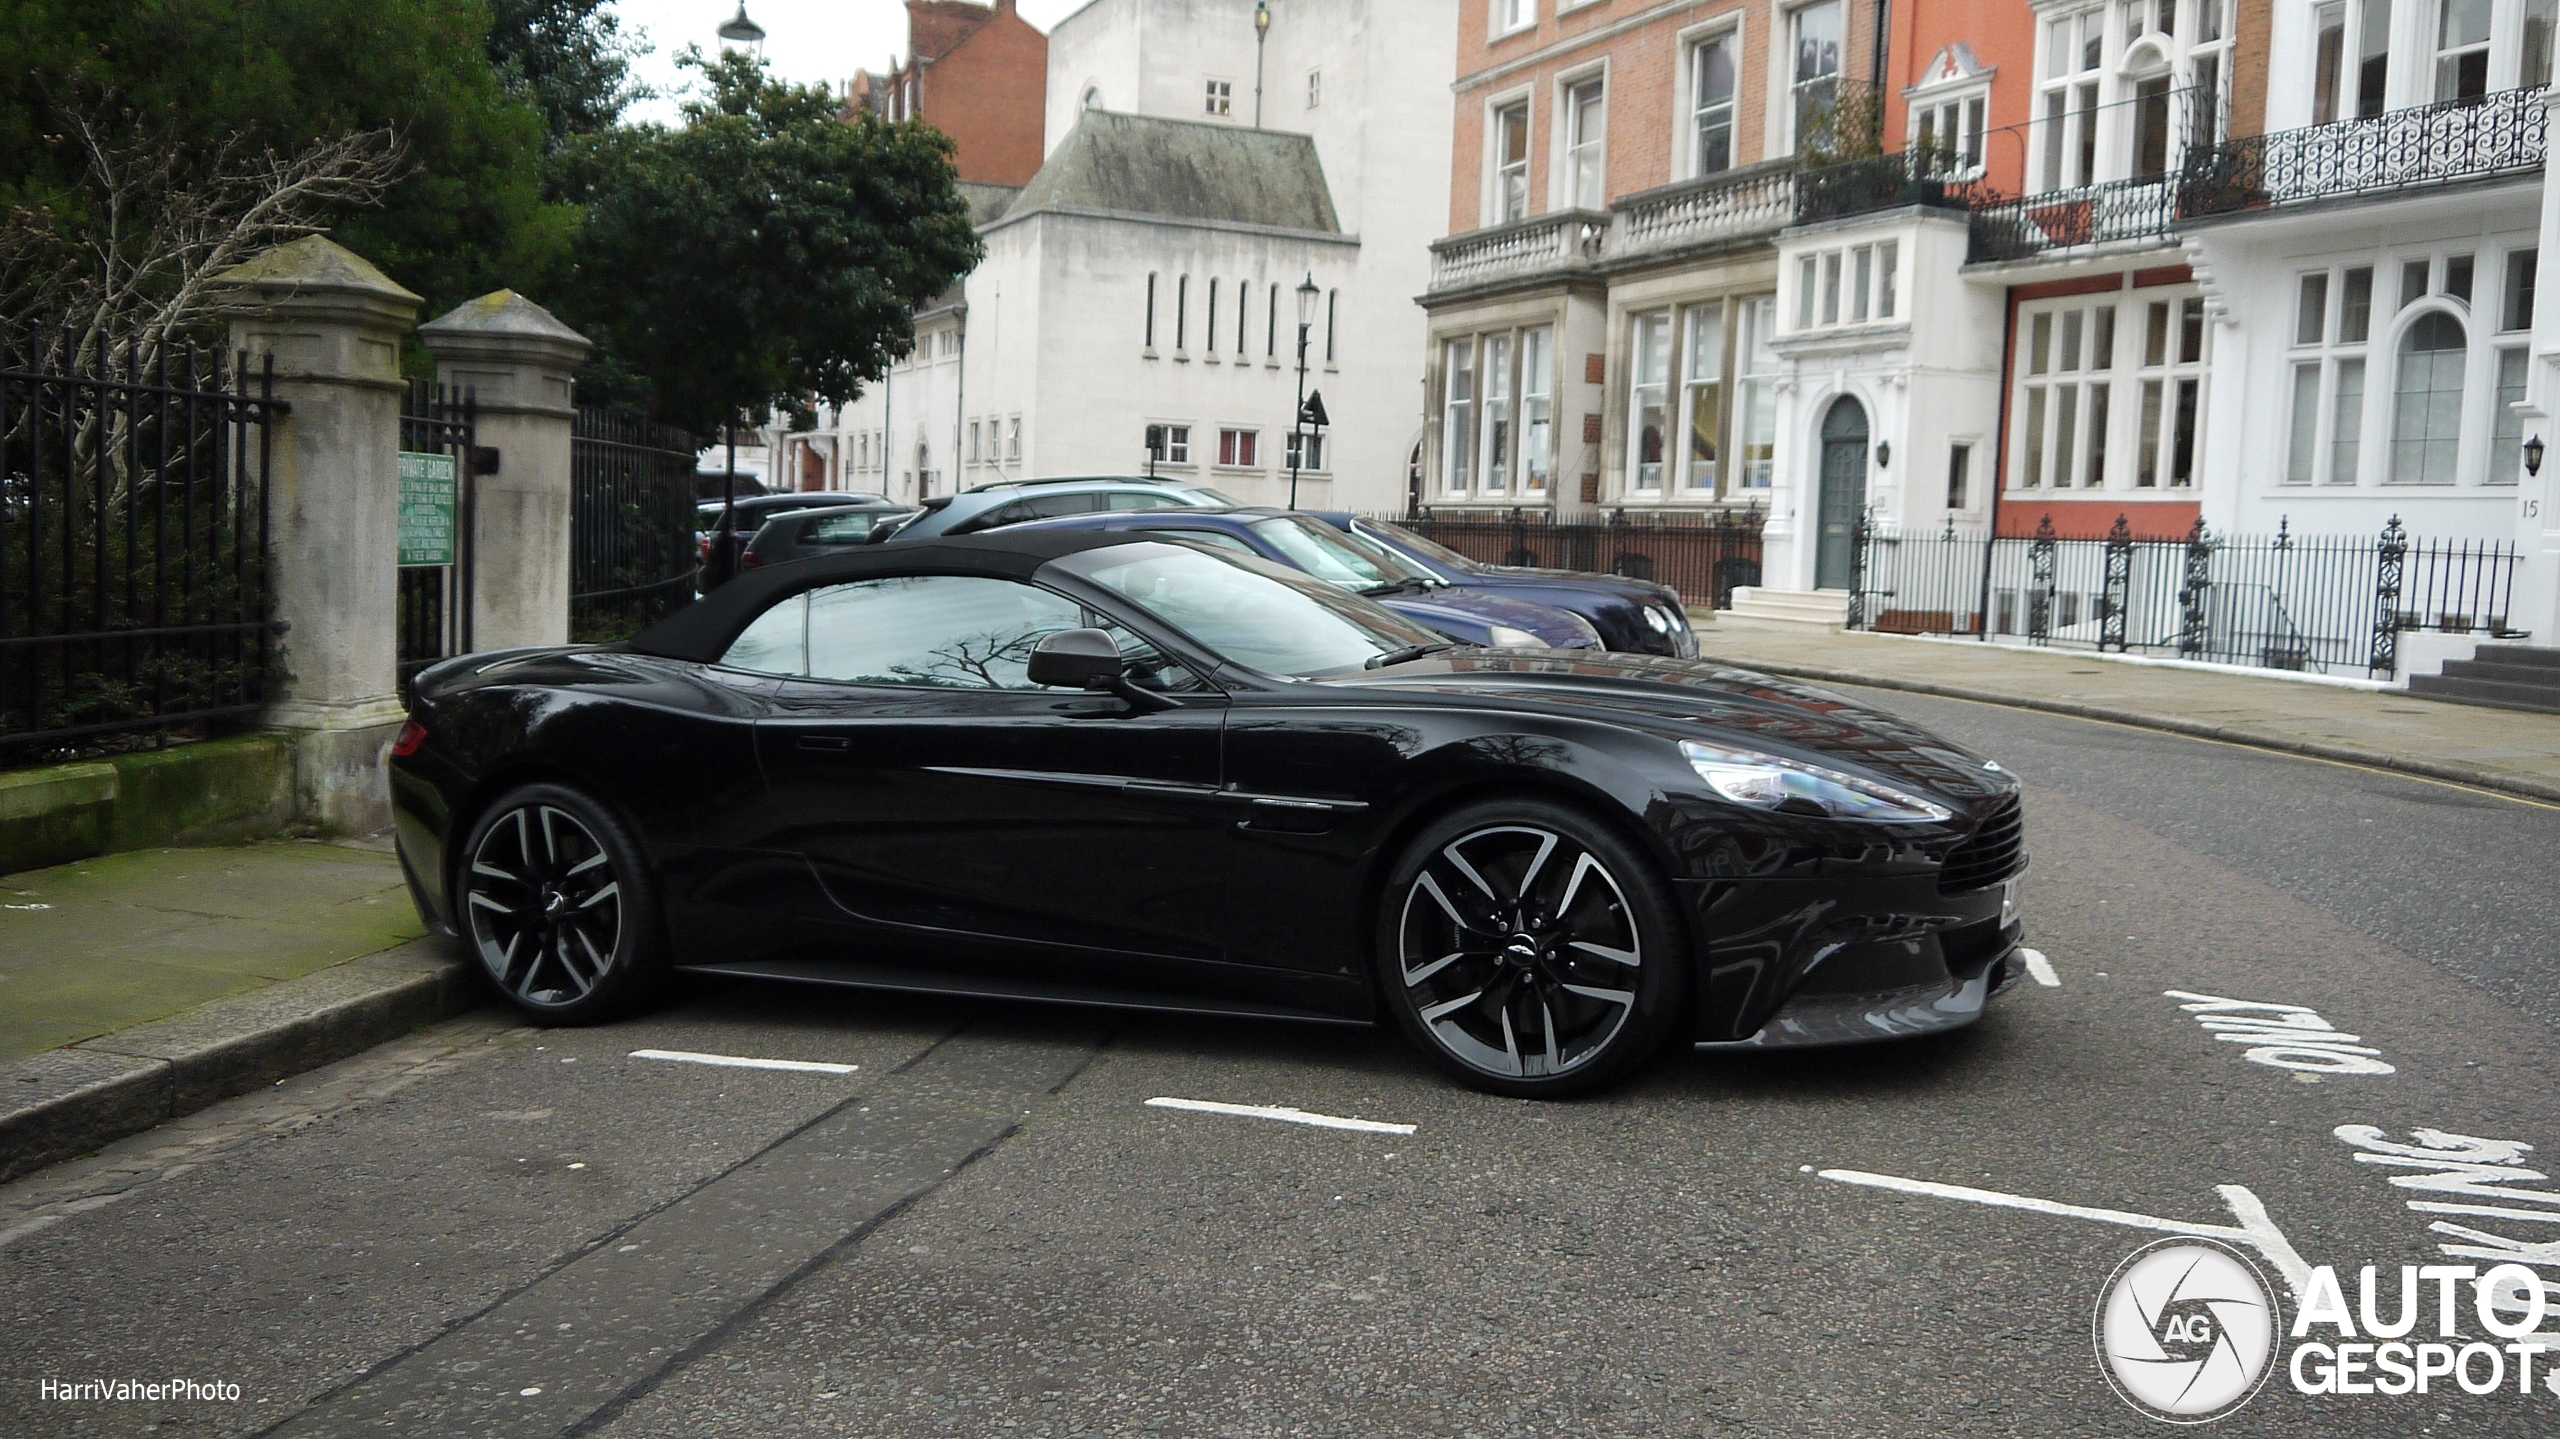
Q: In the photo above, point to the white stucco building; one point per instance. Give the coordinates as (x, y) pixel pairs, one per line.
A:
(1148, 275)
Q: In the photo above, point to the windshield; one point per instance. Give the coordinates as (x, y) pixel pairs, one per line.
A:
(1431, 550)
(1260, 615)
(1329, 554)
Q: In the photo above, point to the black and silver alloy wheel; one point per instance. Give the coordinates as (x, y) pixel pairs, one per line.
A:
(1520, 948)
(552, 901)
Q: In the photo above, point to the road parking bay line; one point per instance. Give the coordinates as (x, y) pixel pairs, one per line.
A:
(1291, 1116)
(739, 1061)
(2041, 968)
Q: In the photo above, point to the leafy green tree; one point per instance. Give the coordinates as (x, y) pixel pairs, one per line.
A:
(766, 250)
(202, 78)
(567, 58)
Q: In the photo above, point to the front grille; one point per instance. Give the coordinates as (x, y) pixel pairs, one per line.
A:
(1991, 854)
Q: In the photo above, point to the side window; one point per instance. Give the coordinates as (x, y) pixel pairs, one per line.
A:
(1050, 506)
(942, 631)
(1138, 500)
(852, 529)
(777, 643)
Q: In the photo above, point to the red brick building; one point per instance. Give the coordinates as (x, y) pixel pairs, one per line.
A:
(978, 73)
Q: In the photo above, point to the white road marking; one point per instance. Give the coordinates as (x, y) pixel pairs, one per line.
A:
(2283, 1036)
(2041, 968)
(738, 1061)
(1292, 1116)
(2255, 1229)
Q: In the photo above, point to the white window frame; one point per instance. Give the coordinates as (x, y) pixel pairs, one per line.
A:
(2318, 347)
(1496, 416)
(1687, 121)
(1753, 429)
(1537, 430)
(1499, 173)
(1509, 17)
(1458, 414)
(1785, 103)
(1013, 440)
(1661, 386)
(1218, 98)
(1234, 439)
(1576, 152)
(1698, 382)
(1967, 102)
(1315, 89)
(1846, 286)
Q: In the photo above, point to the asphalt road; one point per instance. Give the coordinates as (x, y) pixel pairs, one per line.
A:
(984, 1228)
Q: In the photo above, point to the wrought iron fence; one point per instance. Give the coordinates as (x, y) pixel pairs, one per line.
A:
(2425, 144)
(2331, 603)
(632, 553)
(1703, 556)
(2119, 210)
(433, 616)
(134, 592)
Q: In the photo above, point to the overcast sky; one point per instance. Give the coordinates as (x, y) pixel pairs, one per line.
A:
(805, 40)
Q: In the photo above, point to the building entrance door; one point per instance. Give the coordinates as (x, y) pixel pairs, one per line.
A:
(1844, 491)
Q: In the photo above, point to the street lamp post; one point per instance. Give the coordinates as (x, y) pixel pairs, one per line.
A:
(1261, 33)
(744, 33)
(1307, 293)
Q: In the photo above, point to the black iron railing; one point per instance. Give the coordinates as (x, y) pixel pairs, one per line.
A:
(632, 550)
(2331, 603)
(2119, 210)
(134, 589)
(1879, 182)
(2437, 144)
(1704, 556)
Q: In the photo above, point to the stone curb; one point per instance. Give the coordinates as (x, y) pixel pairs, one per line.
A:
(75, 1100)
(2522, 786)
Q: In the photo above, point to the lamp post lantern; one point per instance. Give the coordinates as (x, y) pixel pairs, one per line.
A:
(1307, 295)
(742, 32)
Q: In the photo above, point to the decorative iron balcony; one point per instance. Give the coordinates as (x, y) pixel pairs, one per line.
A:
(2117, 210)
(1738, 205)
(1567, 241)
(2435, 144)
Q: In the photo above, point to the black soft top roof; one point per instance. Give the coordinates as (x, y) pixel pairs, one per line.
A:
(702, 631)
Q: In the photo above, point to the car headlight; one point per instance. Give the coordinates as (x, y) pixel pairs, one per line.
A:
(1504, 637)
(1654, 621)
(1673, 621)
(1768, 782)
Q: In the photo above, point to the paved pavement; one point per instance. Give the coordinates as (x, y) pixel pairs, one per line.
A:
(103, 944)
(983, 1227)
(2513, 750)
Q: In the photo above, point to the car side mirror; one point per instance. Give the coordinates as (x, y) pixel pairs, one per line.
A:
(1078, 660)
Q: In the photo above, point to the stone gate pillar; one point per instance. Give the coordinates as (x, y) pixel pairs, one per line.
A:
(333, 324)
(516, 360)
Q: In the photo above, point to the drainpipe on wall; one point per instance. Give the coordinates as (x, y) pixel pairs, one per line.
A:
(960, 401)
(1999, 464)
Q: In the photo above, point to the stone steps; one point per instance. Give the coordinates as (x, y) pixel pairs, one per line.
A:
(2523, 677)
(1820, 609)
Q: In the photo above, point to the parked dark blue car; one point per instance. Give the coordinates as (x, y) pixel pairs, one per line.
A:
(1303, 542)
(1637, 616)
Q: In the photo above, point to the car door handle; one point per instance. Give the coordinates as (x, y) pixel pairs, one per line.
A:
(831, 743)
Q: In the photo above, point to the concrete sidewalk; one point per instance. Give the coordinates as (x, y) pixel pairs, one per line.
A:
(2513, 751)
(139, 986)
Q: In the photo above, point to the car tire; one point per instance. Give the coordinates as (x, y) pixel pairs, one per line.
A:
(1530, 950)
(552, 897)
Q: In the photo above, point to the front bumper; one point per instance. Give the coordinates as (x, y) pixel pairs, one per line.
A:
(1800, 963)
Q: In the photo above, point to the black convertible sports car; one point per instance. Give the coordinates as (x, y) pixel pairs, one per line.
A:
(1098, 769)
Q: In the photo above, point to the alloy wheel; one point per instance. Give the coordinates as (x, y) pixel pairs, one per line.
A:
(1518, 952)
(544, 905)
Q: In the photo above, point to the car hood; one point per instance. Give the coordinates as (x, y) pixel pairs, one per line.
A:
(1635, 590)
(1479, 608)
(1699, 699)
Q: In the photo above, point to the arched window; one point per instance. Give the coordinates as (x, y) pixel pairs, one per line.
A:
(1093, 97)
(2426, 409)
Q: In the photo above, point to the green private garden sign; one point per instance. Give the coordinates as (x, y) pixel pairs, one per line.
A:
(426, 509)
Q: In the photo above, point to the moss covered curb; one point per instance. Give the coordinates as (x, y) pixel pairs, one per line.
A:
(208, 793)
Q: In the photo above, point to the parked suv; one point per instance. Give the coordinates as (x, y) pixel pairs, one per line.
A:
(1010, 502)
(750, 515)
